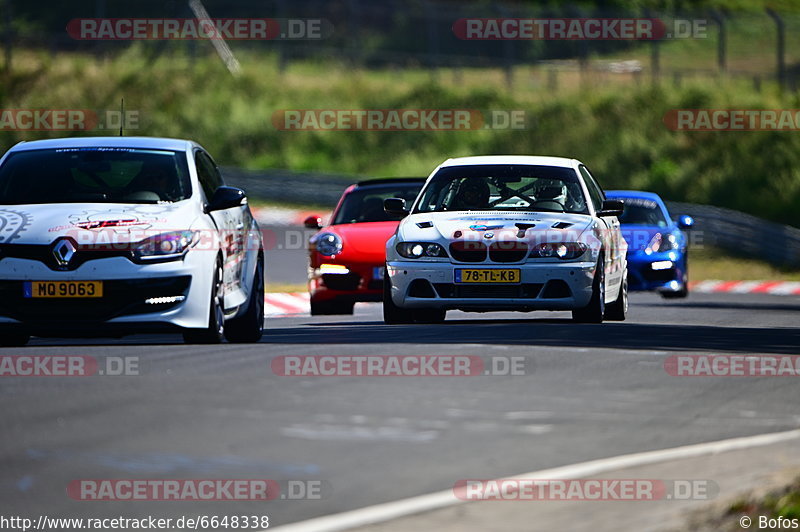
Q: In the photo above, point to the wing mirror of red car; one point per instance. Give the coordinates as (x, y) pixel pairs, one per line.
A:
(313, 222)
(395, 207)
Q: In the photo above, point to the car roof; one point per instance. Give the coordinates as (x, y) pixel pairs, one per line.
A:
(390, 181)
(107, 142)
(634, 194)
(538, 160)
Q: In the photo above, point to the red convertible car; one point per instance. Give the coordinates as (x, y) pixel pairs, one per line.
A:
(347, 257)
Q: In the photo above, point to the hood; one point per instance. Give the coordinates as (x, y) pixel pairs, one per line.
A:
(364, 242)
(43, 223)
(450, 226)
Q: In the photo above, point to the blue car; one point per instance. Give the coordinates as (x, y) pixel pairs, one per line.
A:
(657, 259)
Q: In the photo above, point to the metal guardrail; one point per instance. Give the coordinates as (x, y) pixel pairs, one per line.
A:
(735, 231)
(290, 187)
(742, 233)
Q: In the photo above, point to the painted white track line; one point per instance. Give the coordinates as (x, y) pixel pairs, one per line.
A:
(441, 499)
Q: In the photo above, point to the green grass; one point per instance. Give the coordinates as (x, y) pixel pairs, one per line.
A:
(613, 125)
(709, 263)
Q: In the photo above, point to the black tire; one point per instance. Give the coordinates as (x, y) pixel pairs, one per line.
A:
(249, 327)
(429, 315)
(392, 314)
(215, 332)
(593, 312)
(331, 308)
(13, 338)
(618, 310)
(683, 292)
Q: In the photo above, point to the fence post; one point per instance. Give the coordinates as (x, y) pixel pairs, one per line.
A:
(722, 42)
(7, 34)
(781, 46)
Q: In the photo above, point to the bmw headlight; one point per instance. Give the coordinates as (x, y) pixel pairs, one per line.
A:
(559, 250)
(329, 244)
(416, 250)
(660, 243)
(164, 246)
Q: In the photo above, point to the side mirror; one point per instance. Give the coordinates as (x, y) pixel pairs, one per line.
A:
(685, 221)
(226, 198)
(313, 222)
(395, 207)
(612, 207)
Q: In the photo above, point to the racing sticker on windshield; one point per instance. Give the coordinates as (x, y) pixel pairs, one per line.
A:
(641, 202)
(12, 224)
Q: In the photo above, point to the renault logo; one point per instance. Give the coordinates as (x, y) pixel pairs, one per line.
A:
(63, 251)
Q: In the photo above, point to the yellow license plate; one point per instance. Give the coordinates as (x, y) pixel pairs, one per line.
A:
(64, 289)
(487, 276)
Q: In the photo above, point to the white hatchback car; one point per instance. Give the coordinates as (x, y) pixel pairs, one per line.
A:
(507, 233)
(111, 236)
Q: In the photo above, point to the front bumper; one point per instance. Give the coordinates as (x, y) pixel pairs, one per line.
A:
(543, 286)
(642, 277)
(126, 288)
(362, 282)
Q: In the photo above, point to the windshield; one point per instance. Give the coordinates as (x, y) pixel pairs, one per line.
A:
(639, 211)
(366, 204)
(94, 175)
(504, 188)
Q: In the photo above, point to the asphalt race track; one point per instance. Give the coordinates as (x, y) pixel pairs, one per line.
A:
(220, 412)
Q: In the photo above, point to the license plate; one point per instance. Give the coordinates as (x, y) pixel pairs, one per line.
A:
(487, 276)
(378, 272)
(63, 289)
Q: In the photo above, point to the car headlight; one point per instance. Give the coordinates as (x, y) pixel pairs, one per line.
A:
(164, 246)
(329, 244)
(416, 250)
(660, 243)
(559, 250)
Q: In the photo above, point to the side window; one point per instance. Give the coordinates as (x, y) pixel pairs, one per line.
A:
(596, 193)
(207, 173)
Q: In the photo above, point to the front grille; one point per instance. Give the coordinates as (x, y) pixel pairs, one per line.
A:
(556, 289)
(661, 276)
(488, 291)
(44, 254)
(341, 281)
(121, 297)
(420, 288)
(468, 251)
(508, 251)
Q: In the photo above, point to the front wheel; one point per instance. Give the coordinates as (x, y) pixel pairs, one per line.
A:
(13, 338)
(330, 308)
(215, 332)
(593, 312)
(429, 315)
(392, 314)
(618, 310)
(249, 327)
